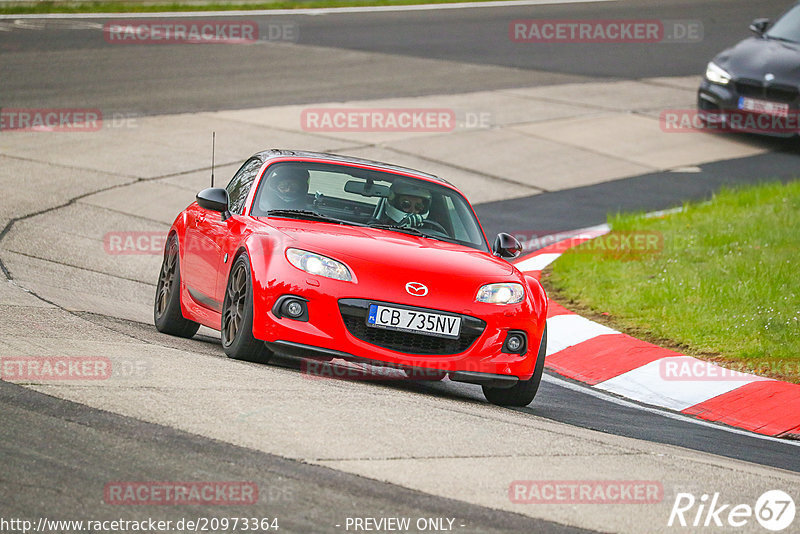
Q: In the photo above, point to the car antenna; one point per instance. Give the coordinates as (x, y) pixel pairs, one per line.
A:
(213, 142)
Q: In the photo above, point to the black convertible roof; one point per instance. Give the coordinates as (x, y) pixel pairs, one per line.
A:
(283, 153)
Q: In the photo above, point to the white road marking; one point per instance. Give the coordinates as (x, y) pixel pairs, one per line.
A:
(538, 262)
(588, 390)
(307, 11)
(650, 384)
(55, 24)
(564, 331)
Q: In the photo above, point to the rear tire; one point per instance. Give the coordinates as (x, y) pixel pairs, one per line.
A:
(167, 314)
(522, 393)
(237, 317)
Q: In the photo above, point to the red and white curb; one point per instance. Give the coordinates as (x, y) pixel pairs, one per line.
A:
(606, 359)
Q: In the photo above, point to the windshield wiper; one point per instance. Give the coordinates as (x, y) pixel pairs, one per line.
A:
(304, 214)
(783, 39)
(413, 231)
(398, 228)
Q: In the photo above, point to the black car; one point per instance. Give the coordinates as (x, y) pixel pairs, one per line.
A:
(754, 86)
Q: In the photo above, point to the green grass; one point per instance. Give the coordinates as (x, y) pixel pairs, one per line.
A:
(725, 287)
(19, 8)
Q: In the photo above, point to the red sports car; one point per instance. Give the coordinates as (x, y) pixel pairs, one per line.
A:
(325, 256)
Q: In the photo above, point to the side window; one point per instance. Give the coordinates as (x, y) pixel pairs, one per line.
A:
(240, 184)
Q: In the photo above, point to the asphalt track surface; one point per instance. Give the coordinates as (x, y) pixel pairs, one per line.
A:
(418, 53)
(589, 205)
(449, 51)
(73, 468)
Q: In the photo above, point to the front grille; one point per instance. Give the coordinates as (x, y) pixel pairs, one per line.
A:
(354, 313)
(774, 92)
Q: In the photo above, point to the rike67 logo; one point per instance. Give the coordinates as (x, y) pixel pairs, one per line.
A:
(774, 510)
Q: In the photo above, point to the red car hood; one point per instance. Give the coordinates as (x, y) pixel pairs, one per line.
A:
(389, 251)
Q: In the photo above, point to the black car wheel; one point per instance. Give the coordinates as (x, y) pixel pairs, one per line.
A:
(522, 393)
(167, 314)
(237, 317)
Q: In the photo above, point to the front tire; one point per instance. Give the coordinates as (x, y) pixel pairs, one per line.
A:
(237, 317)
(167, 314)
(522, 393)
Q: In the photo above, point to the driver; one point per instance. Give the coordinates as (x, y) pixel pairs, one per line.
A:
(408, 204)
(287, 188)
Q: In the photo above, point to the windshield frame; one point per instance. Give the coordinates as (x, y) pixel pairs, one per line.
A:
(358, 170)
(792, 15)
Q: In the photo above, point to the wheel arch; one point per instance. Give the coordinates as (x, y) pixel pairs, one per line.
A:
(261, 250)
(539, 303)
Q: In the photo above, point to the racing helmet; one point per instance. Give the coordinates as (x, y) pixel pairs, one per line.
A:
(406, 198)
(287, 185)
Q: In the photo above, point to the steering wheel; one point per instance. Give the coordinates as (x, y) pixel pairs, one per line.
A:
(433, 225)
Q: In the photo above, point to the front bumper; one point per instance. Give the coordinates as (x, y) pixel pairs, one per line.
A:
(308, 351)
(718, 108)
(333, 329)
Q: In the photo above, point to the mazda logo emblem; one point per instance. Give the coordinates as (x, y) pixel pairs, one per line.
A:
(416, 289)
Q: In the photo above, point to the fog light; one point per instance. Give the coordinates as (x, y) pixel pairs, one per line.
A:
(291, 307)
(294, 308)
(516, 342)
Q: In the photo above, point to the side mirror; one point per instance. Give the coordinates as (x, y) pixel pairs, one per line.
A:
(214, 199)
(759, 26)
(506, 246)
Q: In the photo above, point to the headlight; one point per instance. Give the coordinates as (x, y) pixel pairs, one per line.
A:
(508, 293)
(716, 74)
(318, 264)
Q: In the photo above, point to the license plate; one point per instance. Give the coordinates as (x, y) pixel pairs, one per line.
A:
(414, 321)
(755, 105)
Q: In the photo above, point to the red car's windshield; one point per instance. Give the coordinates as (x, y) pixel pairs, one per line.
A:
(367, 197)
